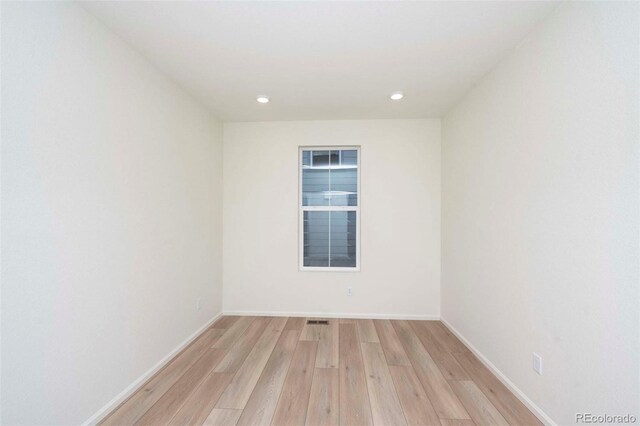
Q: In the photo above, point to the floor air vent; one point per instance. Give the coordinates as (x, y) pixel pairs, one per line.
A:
(318, 322)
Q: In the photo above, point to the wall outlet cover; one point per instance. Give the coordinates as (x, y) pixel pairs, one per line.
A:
(537, 363)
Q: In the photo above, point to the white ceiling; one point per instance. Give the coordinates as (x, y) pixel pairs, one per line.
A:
(323, 60)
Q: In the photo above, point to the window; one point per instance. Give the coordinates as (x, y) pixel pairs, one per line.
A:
(329, 208)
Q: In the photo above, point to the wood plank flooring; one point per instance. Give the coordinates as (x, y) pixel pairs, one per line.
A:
(283, 371)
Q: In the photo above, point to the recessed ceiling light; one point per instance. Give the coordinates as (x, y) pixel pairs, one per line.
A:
(396, 96)
(262, 99)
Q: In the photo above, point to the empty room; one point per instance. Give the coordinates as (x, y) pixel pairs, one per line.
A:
(320, 213)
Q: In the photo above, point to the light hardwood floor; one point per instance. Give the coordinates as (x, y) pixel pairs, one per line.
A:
(283, 371)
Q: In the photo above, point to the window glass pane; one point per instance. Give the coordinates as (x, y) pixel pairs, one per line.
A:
(338, 196)
(330, 178)
(344, 179)
(316, 238)
(343, 239)
(315, 179)
(323, 158)
(349, 157)
(344, 187)
(334, 159)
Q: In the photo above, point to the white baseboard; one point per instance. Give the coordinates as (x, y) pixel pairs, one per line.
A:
(126, 393)
(541, 415)
(331, 315)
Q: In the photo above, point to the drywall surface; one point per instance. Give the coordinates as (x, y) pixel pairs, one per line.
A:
(400, 219)
(540, 213)
(111, 214)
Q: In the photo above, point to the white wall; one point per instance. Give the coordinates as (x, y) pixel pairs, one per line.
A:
(400, 213)
(540, 213)
(111, 214)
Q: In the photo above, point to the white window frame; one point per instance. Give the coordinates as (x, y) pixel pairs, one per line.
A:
(302, 209)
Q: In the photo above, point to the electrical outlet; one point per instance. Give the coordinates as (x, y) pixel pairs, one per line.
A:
(349, 291)
(537, 363)
(198, 303)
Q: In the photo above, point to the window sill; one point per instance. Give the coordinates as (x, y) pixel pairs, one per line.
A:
(327, 269)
